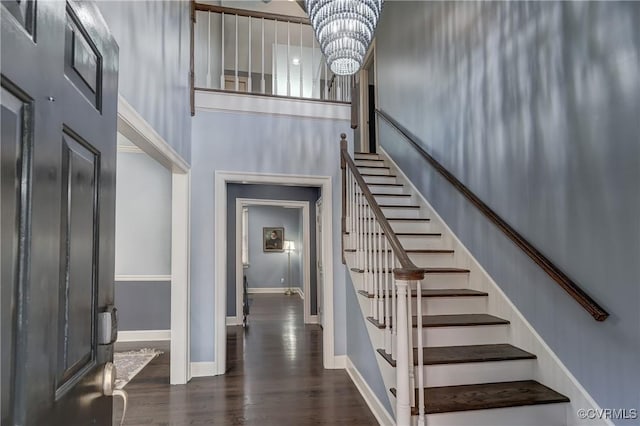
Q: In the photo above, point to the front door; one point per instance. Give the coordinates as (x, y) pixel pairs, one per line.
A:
(58, 151)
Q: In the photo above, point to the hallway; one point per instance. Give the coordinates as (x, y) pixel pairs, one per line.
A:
(275, 377)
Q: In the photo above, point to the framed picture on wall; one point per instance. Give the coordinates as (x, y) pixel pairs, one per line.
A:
(273, 239)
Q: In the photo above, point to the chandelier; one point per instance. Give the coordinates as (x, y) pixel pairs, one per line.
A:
(344, 29)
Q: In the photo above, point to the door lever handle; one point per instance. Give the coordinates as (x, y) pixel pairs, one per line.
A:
(109, 387)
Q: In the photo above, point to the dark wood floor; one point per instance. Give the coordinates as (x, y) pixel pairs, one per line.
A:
(275, 377)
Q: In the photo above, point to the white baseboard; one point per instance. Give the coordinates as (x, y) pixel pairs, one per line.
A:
(144, 335)
(234, 321)
(299, 291)
(203, 369)
(340, 362)
(376, 407)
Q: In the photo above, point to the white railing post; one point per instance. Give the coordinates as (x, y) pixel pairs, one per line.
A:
(387, 300)
(222, 85)
(262, 68)
(420, 355)
(209, 50)
(403, 387)
(249, 73)
(236, 63)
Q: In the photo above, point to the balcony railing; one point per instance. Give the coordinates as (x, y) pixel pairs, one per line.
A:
(259, 53)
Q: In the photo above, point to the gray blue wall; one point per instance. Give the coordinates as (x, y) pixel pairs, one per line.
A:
(143, 242)
(267, 269)
(534, 106)
(154, 45)
(268, 192)
(359, 348)
(257, 143)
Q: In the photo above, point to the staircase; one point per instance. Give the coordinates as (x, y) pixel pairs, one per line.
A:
(457, 364)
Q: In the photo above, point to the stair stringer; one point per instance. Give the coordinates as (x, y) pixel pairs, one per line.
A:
(548, 369)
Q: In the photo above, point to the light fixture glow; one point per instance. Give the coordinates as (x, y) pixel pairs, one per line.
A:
(344, 29)
(295, 61)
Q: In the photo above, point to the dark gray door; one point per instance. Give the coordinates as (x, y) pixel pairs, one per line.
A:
(59, 98)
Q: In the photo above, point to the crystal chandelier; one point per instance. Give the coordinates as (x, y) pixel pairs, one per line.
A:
(344, 29)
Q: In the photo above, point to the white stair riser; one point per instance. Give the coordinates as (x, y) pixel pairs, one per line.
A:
(448, 280)
(365, 156)
(413, 226)
(477, 372)
(385, 199)
(422, 242)
(362, 163)
(457, 336)
(379, 179)
(389, 189)
(430, 260)
(450, 305)
(530, 415)
(401, 212)
(374, 170)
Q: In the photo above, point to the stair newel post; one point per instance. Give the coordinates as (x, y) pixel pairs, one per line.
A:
(394, 313)
(387, 299)
(343, 167)
(412, 377)
(420, 347)
(403, 384)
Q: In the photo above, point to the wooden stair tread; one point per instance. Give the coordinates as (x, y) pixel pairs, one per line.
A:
(395, 206)
(457, 320)
(362, 166)
(389, 194)
(370, 174)
(447, 399)
(436, 292)
(409, 219)
(385, 184)
(407, 234)
(465, 354)
(369, 159)
(426, 270)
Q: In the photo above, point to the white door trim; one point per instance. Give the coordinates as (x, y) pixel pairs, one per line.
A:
(306, 238)
(144, 136)
(220, 254)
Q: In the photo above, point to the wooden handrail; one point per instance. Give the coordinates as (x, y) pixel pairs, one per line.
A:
(251, 13)
(408, 270)
(574, 290)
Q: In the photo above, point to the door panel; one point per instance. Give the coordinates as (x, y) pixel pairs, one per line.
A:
(62, 226)
(77, 306)
(16, 128)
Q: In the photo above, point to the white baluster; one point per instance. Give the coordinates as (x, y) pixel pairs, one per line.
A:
(374, 275)
(288, 58)
(236, 63)
(249, 74)
(209, 50)
(394, 312)
(387, 300)
(412, 378)
(262, 88)
(381, 298)
(403, 386)
(275, 61)
(222, 85)
(301, 63)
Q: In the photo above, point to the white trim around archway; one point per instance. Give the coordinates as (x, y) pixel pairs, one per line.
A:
(220, 256)
(132, 125)
(306, 252)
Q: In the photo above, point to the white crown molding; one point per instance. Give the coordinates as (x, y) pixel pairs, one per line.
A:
(135, 128)
(130, 149)
(240, 102)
